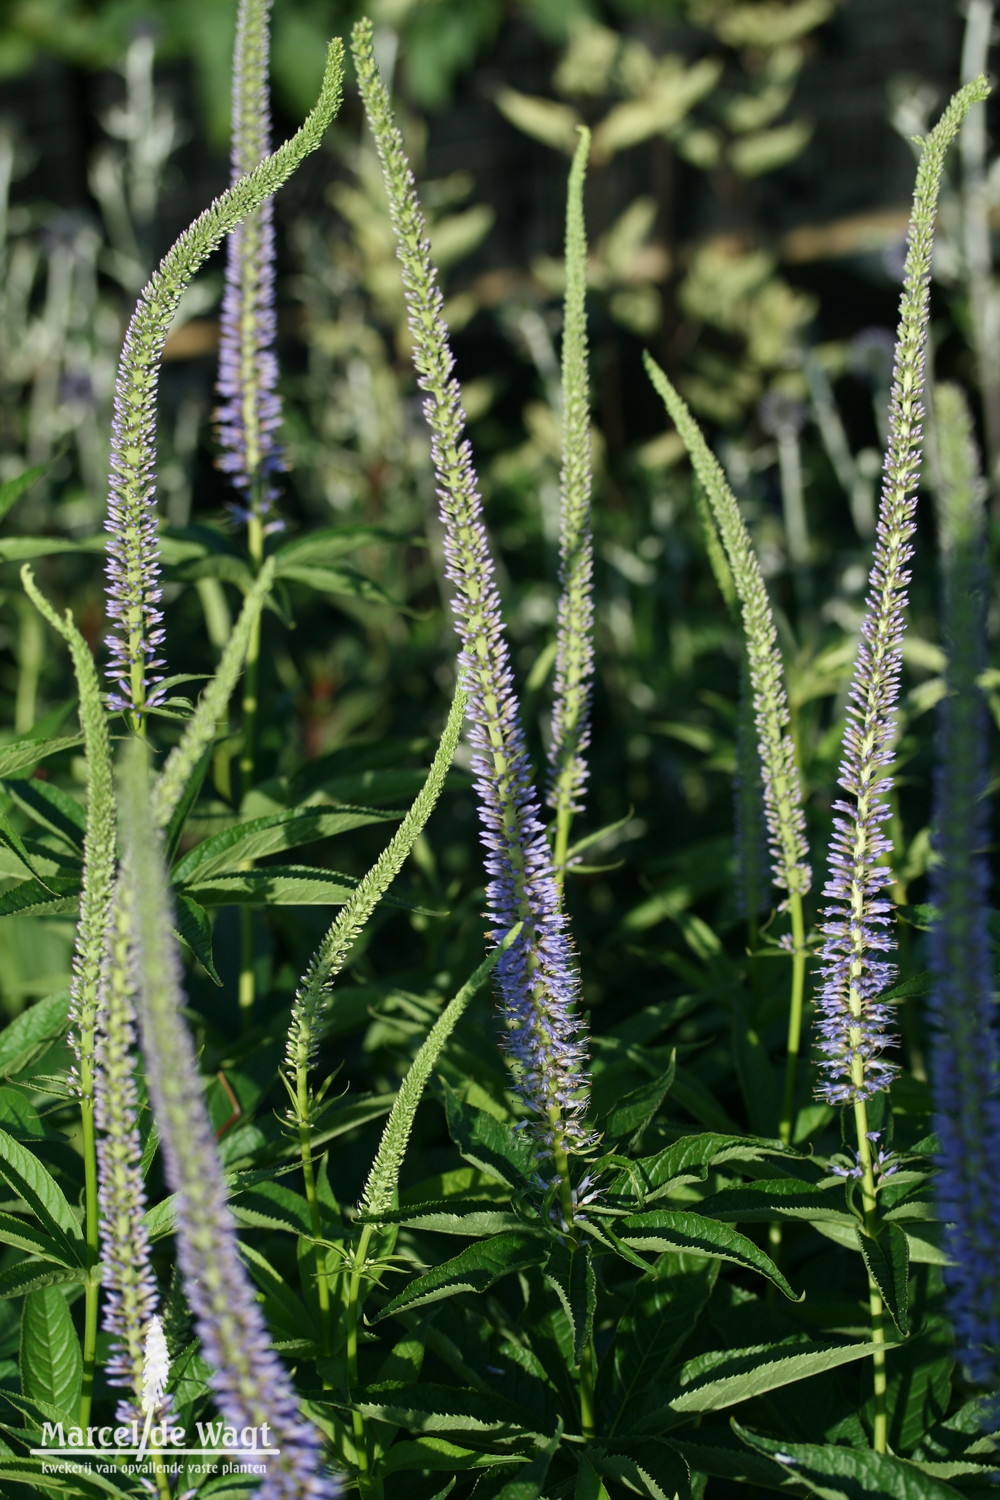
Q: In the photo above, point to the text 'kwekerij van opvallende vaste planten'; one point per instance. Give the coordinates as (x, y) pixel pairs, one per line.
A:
(291, 1208)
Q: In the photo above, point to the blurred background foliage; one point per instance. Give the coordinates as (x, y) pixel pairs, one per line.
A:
(746, 204)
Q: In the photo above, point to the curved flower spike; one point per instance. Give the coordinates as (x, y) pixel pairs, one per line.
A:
(250, 411)
(536, 976)
(853, 1025)
(133, 567)
(250, 1385)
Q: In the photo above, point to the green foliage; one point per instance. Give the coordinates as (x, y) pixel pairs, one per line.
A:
(452, 1335)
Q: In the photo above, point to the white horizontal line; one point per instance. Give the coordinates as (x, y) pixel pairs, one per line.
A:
(153, 1452)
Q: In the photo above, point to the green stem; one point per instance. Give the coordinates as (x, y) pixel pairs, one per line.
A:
(880, 1432)
(320, 1272)
(31, 654)
(251, 677)
(588, 1372)
(366, 1486)
(794, 1047)
(91, 1229)
(564, 820)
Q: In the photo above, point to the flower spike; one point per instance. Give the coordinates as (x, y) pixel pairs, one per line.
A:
(854, 1024)
(250, 1385)
(575, 634)
(133, 567)
(249, 413)
(536, 976)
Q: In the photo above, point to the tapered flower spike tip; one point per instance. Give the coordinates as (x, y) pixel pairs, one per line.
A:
(249, 413)
(155, 1368)
(965, 1047)
(536, 976)
(782, 785)
(575, 631)
(853, 1026)
(133, 567)
(251, 1387)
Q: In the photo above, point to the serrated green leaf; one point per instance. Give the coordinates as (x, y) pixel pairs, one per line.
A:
(689, 1160)
(50, 1357)
(342, 583)
(285, 1311)
(53, 808)
(24, 1173)
(275, 885)
(571, 1276)
(472, 1270)
(888, 1262)
(194, 928)
(527, 1483)
(589, 1484)
(329, 543)
(438, 1454)
(923, 1251)
(19, 1280)
(270, 1205)
(12, 489)
(86, 1482)
(25, 548)
(59, 896)
(630, 1115)
(848, 1473)
(430, 1408)
(723, 1377)
(30, 1034)
(268, 835)
(488, 1143)
(25, 754)
(663, 1312)
(186, 800)
(662, 1229)
(473, 1220)
(224, 566)
(24, 1236)
(778, 1198)
(715, 1451)
(633, 1476)
(12, 839)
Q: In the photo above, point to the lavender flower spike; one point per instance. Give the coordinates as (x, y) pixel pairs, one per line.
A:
(249, 413)
(130, 1288)
(965, 1057)
(251, 1387)
(133, 567)
(536, 977)
(853, 1024)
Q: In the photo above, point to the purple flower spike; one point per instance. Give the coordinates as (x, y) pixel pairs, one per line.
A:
(133, 565)
(249, 1383)
(536, 976)
(853, 1025)
(131, 1294)
(249, 413)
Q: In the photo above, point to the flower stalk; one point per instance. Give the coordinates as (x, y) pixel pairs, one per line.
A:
(133, 567)
(575, 628)
(250, 1385)
(783, 802)
(537, 980)
(853, 1022)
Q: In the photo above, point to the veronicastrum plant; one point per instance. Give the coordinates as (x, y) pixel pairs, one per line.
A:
(592, 1281)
